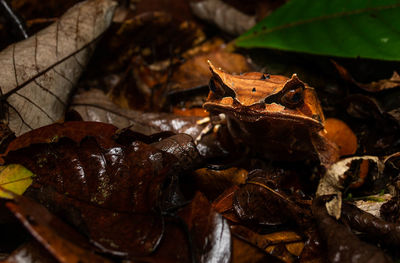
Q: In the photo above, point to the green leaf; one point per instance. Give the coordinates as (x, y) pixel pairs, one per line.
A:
(15, 178)
(343, 28)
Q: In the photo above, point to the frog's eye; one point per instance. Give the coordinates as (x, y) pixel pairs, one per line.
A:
(293, 97)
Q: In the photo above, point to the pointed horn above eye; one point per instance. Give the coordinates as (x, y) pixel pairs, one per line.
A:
(213, 69)
(294, 80)
(294, 77)
(217, 82)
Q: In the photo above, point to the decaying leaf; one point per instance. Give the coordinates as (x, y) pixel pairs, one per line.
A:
(212, 236)
(365, 222)
(263, 201)
(332, 182)
(373, 204)
(15, 178)
(39, 73)
(224, 204)
(96, 169)
(341, 243)
(224, 16)
(285, 245)
(94, 105)
(195, 72)
(390, 210)
(393, 159)
(207, 237)
(183, 148)
(63, 242)
(31, 252)
(374, 86)
(84, 175)
(214, 182)
(244, 252)
(76, 131)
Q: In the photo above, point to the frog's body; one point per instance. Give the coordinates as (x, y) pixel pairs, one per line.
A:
(277, 116)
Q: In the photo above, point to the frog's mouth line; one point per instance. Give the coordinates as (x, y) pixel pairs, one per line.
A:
(250, 115)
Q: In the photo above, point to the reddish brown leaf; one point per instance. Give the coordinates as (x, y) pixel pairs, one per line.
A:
(375, 86)
(94, 105)
(284, 245)
(183, 148)
(195, 71)
(362, 221)
(121, 234)
(73, 130)
(100, 190)
(244, 252)
(210, 232)
(106, 177)
(31, 252)
(342, 244)
(207, 236)
(224, 204)
(63, 242)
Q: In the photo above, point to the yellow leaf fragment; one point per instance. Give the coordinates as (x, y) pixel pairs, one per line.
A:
(15, 178)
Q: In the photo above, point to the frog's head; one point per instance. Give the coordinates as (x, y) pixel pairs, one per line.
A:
(254, 96)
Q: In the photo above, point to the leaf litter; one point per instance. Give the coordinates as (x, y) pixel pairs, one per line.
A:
(142, 190)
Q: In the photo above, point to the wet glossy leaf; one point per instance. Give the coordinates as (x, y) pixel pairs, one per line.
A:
(390, 210)
(75, 131)
(255, 204)
(39, 73)
(102, 176)
(197, 233)
(224, 204)
(284, 245)
(214, 182)
(342, 244)
(210, 231)
(362, 221)
(123, 234)
(63, 242)
(101, 187)
(262, 201)
(15, 178)
(244, 252)
(336, 28)
(183, 148)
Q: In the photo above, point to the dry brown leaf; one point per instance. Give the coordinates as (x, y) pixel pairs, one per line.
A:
(374, 86)
(243, 252)
(94, 105)
(39, 73)
(332, 182)
(58, 238)
(373, 205)
(214, 182)
(285, 245)
(195, 72)
(224, 16)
